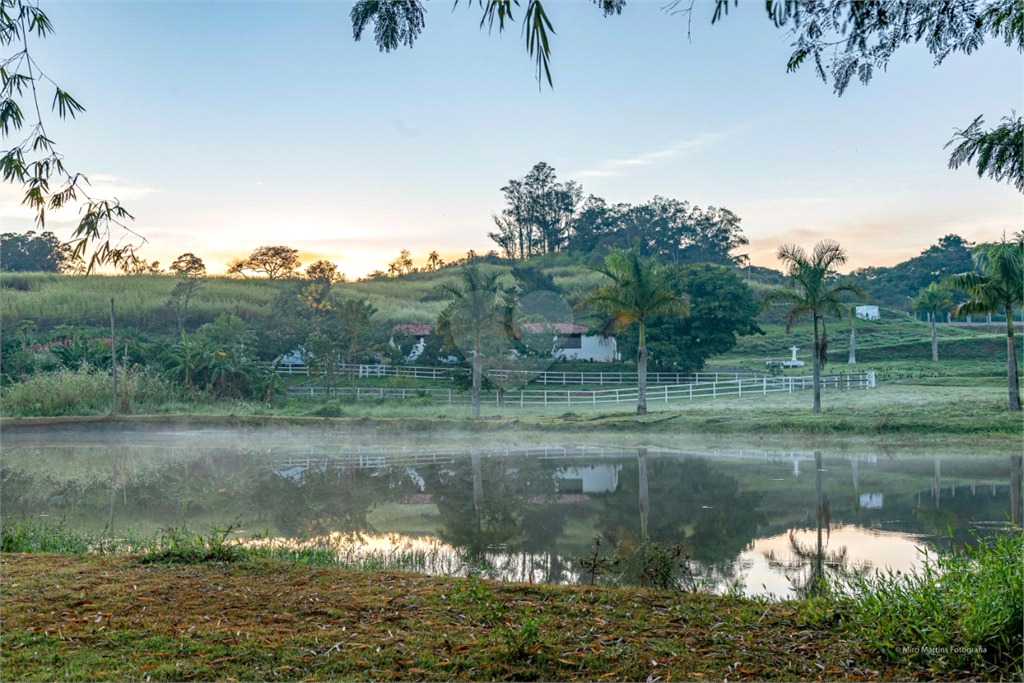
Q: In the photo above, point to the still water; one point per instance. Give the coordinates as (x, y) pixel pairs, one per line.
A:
(521, 508)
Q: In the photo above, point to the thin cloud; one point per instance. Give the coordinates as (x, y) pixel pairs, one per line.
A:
(616, 167)
(404, 129)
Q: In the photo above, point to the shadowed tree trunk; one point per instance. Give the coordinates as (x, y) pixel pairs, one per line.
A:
(641, 374)
(816, 364)
(1012, 381)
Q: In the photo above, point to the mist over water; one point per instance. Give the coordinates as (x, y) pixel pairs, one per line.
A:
(519, 506)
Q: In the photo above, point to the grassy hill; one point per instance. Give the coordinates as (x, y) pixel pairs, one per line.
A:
(51, 300)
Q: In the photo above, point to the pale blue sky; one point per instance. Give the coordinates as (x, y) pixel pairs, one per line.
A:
(224, 127)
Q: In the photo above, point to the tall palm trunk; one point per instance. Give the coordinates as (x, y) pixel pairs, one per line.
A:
(816, 364)
(935, 339)
(1012, 381)
(478, 366)
(641, 373)
(853, 341)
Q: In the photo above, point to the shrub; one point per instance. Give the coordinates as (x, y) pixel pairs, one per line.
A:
(962, 611)
(87, 392)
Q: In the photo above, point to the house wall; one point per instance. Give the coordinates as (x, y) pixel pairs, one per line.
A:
(592, 347)
(868, 313)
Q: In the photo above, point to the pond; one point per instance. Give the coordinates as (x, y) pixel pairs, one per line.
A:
(516, 507)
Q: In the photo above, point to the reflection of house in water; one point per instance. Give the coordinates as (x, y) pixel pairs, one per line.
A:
(871, 501)
(589, 479)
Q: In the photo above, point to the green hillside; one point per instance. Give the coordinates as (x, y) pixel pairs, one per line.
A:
(52, 300)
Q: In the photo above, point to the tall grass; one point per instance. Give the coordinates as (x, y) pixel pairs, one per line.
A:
(963, 611)
(88, 392)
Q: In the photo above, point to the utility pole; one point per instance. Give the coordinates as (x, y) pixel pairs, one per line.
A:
(113, 357)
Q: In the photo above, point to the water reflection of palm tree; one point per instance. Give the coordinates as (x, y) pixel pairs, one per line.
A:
(645, 499)
(807, 585)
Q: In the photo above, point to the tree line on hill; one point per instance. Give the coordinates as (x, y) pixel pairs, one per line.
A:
(543, 216)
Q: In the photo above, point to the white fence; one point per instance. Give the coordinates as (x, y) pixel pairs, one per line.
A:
(545, 377)
(738, 386)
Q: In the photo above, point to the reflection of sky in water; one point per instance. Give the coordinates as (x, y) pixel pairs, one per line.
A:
(865, 548)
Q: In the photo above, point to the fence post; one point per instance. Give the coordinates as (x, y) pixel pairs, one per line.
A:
(764, 384)
(691, 391)
(739, 386)
(545, 398)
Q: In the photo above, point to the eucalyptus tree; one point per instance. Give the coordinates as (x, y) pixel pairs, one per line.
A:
(997, 285)
(933, 300)
(640, 289)
(813, 288)
(190, 272)
(477, 319)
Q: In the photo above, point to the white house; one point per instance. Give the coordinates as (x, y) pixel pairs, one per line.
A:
(571, 340)
(868, 313)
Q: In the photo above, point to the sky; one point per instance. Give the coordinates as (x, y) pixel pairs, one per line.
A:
(223, 127)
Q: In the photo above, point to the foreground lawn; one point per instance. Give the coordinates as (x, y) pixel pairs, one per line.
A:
(114, 618)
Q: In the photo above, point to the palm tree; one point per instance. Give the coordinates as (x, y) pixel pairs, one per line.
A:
(933, 299)
(434, 260)
(814, 289)
(997, 284)
(477, 313)
(640, 288)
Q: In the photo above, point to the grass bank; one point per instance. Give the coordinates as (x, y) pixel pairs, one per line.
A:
(113, 618)
(893, 412)
(198, 608)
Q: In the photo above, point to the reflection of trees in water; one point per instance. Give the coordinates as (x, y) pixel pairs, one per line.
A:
(157, 484)
(690, 503)
(492, 507)
(807, 564)
(323, 498)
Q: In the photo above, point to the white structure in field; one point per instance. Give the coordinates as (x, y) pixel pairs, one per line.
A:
(571, 340)
(791, 363)
(868, 313)
(872, 501)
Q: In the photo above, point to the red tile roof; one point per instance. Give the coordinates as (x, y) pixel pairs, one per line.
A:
(427, 329)
(560, 328)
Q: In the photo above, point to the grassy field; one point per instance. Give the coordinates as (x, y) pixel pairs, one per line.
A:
(963, 395)
(894, 412)
(51, 300)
